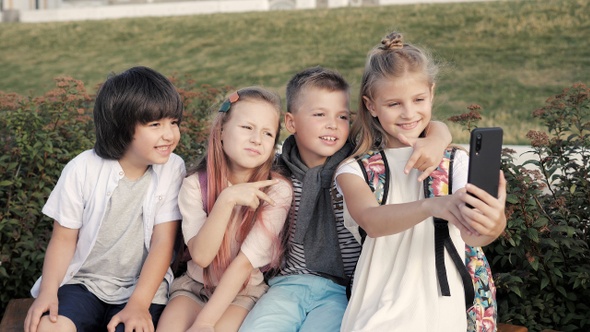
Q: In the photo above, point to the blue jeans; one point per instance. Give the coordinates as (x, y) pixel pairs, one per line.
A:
(298, 303)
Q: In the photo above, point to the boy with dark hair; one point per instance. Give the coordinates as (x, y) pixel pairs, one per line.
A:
(309, 292)
(115, 210)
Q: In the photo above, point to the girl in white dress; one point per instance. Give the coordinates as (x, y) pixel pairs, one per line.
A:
(395, 285)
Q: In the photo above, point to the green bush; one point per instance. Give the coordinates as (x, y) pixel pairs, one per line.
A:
(541, 263)
(39, 136)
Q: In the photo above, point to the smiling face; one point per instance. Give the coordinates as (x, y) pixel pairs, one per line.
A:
(152, 143)
(249, 136)
(320, 124)
(403, 105)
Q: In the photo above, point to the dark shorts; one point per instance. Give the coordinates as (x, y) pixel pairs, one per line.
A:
(89, 313)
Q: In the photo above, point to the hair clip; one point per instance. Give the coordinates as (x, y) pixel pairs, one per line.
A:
(227, 103)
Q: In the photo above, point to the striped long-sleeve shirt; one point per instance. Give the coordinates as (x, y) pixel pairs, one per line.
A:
(294, 262)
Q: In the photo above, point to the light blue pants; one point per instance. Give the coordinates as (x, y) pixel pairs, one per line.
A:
(298, 303)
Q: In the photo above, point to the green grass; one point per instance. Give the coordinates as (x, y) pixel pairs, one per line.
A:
(507, 56)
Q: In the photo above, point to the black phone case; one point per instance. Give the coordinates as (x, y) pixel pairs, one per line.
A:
(485, 158)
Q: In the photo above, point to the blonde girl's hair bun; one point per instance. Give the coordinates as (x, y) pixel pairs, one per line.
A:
(393, 41)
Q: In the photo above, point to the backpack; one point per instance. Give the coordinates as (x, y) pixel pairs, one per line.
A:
(475, 271)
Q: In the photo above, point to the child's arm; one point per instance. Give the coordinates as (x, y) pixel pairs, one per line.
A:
(60, 251)
(226, 291)
(204, 246)
(258, 249)
(487, 216)
(428, 151)
(381, 220)
(135, 316)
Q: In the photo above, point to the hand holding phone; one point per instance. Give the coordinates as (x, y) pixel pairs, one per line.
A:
(485, 158)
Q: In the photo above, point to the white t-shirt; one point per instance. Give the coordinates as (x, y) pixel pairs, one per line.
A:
(395, 283)
(80, 197)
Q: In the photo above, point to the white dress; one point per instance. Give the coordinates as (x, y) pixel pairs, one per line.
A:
(395, 284)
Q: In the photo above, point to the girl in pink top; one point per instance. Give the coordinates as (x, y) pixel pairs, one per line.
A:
(234, 230)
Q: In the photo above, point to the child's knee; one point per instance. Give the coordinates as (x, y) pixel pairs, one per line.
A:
(63, 324)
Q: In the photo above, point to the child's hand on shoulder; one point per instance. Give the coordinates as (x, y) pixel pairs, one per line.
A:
(428, 150)
(427, 155)
(487, 216)
(247, 194)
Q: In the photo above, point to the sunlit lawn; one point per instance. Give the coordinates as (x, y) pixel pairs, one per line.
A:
(507, 56)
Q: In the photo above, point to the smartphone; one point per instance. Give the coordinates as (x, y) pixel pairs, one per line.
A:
(485, 158)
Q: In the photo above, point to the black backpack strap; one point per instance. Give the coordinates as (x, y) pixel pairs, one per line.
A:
(443, 240)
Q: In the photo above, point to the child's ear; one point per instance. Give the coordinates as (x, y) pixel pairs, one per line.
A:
(290, 123)
(369, 105)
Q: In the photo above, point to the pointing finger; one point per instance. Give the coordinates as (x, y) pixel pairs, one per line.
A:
(265, 198)
(264, 183)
